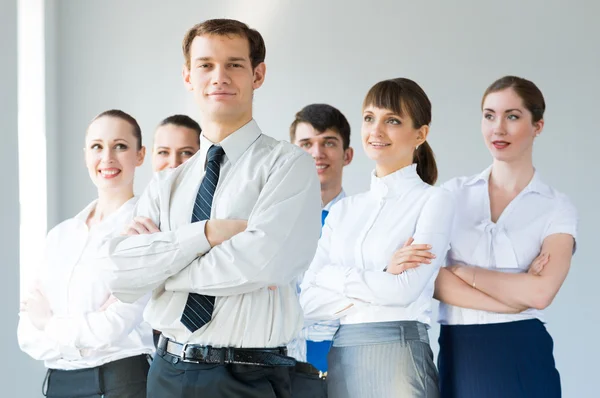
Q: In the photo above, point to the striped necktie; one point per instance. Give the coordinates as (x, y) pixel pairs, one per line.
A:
(199, 308)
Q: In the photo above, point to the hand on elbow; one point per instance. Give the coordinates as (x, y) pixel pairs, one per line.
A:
(409, 256)
(111, 300)
(538, 265)
(218, 231)
(140, 226)
(38, 309)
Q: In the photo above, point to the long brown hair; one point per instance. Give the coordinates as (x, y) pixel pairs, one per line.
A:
(404, 96)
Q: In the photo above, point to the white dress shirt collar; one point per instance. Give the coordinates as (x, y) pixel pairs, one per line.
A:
(535, 185)
(236, 143)
(396, 183)
(339, 197)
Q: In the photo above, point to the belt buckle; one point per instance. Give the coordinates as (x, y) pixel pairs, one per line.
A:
(204, 354)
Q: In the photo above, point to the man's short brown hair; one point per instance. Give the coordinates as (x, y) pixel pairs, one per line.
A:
(226, 27)
(323, 117)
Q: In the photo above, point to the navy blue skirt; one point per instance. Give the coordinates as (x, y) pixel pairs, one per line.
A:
(500, 360)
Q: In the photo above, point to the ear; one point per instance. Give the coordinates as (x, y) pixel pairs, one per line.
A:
(140, 156)
(538, 127)
(185, 72)
(348, 156)
(259, 75)
(422, 134)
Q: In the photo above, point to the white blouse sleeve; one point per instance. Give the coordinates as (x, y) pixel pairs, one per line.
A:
(97, 330)
(381, 288)
(38, 345)
(564, 219)
(322, 303)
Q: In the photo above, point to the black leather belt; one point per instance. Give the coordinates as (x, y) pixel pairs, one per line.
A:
(206, 354)
(308, 369)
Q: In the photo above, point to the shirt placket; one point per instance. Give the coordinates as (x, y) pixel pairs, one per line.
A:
(73, 289)
(360, 247)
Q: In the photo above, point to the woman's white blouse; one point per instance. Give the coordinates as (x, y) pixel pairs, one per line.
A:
(509, 245)
(360, 235)
(78, 335)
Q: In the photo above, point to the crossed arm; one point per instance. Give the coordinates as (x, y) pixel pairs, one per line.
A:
(282, 229)
(516, 291)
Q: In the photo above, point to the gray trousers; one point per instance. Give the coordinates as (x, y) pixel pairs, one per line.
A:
(382, 360)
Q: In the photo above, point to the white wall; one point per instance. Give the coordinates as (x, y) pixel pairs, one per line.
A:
(20, 376)
(127, 55)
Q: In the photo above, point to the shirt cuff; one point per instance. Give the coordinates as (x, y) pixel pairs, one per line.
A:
(332, 277)
(192, 239)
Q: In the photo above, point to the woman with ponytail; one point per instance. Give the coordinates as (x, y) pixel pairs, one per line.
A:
(365, 272)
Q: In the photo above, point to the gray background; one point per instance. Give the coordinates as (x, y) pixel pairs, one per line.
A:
(115, 54)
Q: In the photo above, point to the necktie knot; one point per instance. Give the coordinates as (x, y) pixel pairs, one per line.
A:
(215, 153)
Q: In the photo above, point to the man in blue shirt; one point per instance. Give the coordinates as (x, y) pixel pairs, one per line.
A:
(324, 132)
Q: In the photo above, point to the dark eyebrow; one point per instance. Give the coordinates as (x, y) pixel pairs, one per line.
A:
(230, 59)
(387, 114)
(116, 140)
(330, 137)
(236, 59)
(506, 111)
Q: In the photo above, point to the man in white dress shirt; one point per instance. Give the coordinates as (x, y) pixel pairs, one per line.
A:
(324, 132)
(224, 331)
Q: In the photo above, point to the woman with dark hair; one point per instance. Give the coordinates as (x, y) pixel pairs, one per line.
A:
(92, 344)
(359, 274)
(511, 250)
(176, 140)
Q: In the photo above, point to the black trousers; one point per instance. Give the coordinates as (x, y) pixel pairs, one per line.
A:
(173, 378)
(125, 378)
(307, 385)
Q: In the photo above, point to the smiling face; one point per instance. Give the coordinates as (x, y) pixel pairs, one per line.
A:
(507, 126)
(389, 139)
(222, 78)
(112, 154)
(396, 118)
(327, 149)
(173, 145)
